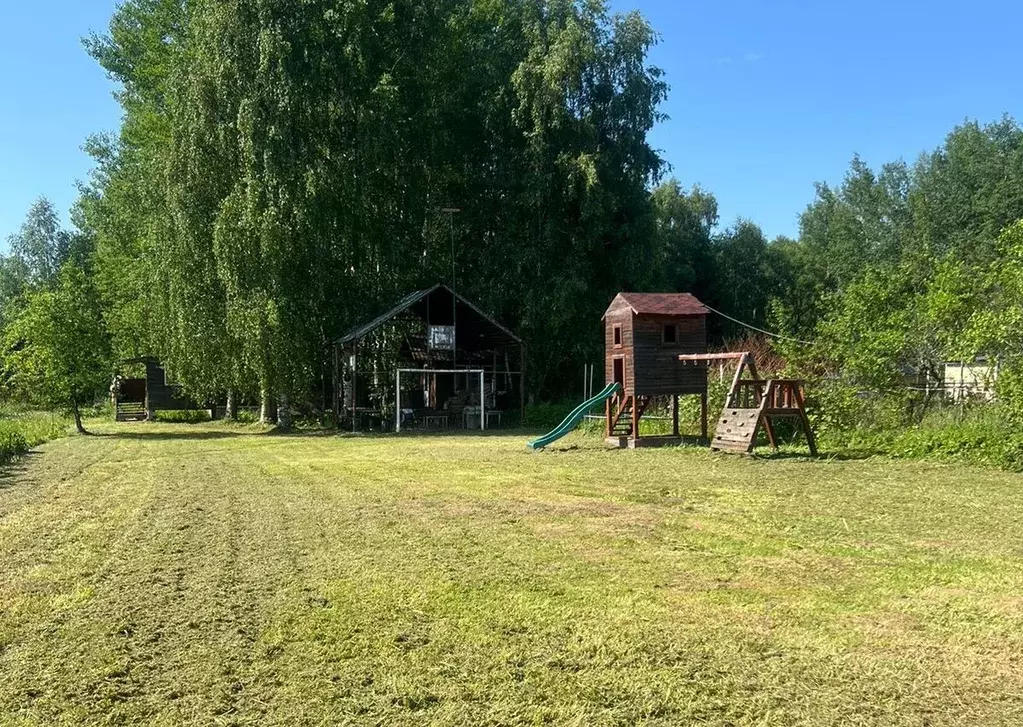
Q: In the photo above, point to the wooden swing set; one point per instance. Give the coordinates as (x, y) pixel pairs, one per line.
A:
(753, 402)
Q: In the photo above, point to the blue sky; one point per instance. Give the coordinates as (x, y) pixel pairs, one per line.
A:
(766, 99)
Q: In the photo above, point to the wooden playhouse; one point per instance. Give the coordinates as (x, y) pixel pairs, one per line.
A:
(645, 333)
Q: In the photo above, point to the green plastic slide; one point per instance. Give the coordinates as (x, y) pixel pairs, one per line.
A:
(575, 417)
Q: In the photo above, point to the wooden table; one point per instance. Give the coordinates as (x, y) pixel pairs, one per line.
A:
(439, 419)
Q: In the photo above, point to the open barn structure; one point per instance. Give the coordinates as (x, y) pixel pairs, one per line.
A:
(433, 361)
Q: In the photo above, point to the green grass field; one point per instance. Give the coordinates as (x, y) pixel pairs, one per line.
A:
(201, 574)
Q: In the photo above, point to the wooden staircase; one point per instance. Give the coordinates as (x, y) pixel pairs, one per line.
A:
(623, 415)
(130, 411)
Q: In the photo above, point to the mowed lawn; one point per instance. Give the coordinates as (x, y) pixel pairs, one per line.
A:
(201, 574)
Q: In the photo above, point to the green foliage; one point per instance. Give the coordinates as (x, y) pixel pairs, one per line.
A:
(900, 270)
(40, 246)
(21, 431)
(184, 416)
(547, 416)
(280, 170)
(57, 352)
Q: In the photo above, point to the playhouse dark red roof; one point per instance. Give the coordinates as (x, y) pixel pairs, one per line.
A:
(665, 304)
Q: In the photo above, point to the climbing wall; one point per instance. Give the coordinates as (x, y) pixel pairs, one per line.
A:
(736, 430)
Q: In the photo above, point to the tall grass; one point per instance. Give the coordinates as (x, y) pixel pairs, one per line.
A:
(21, 431)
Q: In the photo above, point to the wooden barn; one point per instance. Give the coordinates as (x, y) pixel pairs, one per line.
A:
(644, 335)
(433, 361)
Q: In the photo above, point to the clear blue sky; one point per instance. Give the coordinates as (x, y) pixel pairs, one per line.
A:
(766, 99)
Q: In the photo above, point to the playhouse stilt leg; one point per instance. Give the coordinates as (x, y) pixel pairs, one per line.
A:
(674, 415)
(703, 415)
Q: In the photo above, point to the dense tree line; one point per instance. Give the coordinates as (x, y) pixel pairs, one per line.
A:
(283, 169)
(898, 269)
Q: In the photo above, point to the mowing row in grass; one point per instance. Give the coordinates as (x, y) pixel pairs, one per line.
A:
(215, 574)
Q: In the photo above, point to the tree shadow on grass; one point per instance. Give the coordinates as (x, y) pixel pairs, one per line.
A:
(158, 436)
(434, 434)
(11, 472)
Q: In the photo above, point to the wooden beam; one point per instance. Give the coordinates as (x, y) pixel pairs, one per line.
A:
(522, 384)
(674, 415)
(810, 439)
(730, 356)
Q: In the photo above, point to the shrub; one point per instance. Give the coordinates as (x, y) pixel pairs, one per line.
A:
(20, 432)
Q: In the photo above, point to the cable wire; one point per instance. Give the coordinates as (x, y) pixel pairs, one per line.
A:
(758, 330)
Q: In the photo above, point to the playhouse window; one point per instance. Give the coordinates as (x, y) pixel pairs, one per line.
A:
(618, 335)
(670, 334)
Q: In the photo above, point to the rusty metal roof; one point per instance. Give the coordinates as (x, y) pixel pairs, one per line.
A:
(664, 304)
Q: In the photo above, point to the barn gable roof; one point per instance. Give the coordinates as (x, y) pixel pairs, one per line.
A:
(661, 304)
(479, 320)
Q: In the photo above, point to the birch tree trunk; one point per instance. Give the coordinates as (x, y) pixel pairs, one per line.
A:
(266, 415)
(284, 420)
(231, 409)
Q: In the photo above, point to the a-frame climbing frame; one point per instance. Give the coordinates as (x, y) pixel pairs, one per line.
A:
(753, 402)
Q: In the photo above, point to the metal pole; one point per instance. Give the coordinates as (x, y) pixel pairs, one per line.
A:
(397, 401)
(451, 212)
(483, 406)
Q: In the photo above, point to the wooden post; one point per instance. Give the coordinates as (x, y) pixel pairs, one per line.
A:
(355, 391)
(703, 415)
(607, 416)
(674, 415)
(335, 405)
(765, 401)
(635, 417)
(810, 439)
(733, 393)
(522, 384)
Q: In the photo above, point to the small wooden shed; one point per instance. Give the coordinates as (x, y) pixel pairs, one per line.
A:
(140, 398)
(644, 335)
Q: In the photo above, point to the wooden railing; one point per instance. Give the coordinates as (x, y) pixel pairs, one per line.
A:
(776, 394)
(784, 395)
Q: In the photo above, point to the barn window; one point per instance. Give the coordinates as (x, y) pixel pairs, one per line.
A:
(618, 335)
(669, 335)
